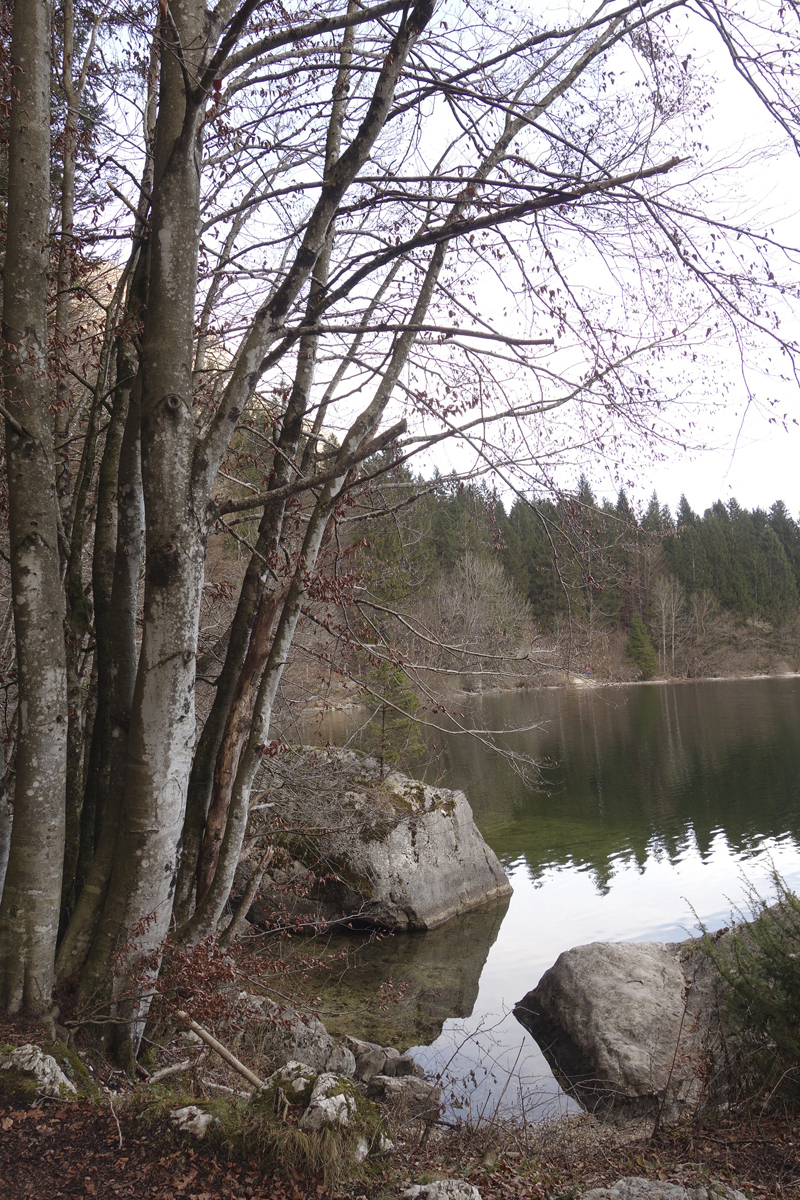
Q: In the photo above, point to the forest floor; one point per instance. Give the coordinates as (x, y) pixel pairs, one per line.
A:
(103, 1149)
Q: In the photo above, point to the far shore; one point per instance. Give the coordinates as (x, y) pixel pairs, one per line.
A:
(572, 680)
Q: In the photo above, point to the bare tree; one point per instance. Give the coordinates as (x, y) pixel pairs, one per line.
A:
(350, 238)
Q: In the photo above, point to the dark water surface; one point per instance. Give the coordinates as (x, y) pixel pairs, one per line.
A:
(656, 802)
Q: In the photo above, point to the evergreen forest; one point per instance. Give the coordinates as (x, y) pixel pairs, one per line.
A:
(624, 594)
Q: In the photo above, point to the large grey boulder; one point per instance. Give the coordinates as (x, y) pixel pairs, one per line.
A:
(411, 859)
(629, 1027)
(635, 1188)
(393, 853)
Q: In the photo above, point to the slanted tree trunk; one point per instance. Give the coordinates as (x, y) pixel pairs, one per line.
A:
(30, 906)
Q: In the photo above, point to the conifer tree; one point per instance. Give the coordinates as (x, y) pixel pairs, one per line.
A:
(641, 649)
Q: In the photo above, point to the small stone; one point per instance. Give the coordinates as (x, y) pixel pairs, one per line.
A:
(41, 1068)
(442, 1189)
(402, 1065)
(422, 1097)
(370, 1062)
(288, 1036)
(361, 1150)
(191, 1119)
(295, 1079)
(331, 1103)
(341, 1061)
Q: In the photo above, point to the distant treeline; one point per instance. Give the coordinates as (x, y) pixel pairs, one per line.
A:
(747, 563)
(599, 562)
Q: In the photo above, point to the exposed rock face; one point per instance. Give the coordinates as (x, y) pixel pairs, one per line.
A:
(46, 1078)
(634, 1188)
(629, 1027)
(401, 854)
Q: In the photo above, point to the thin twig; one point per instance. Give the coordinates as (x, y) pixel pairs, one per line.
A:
(116, 1118)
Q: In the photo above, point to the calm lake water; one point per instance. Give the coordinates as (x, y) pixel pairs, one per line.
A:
(657, 805)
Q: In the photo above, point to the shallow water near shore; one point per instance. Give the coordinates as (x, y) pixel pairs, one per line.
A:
(655, 807)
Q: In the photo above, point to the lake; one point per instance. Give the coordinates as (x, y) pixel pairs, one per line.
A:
(657, 805)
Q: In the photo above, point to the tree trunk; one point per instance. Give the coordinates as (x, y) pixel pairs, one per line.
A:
(121, 666)
(138, 905)
(30, 906)
(5, 820)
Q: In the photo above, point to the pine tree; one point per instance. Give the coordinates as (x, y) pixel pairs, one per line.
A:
(641, 649)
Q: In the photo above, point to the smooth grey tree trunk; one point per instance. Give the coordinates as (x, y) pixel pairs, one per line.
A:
(31, 896)
(138, 905)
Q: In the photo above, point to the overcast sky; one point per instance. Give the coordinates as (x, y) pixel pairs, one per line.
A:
(748, 458)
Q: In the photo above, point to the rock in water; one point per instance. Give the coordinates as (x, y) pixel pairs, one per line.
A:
(398, 854)
(627, 1026)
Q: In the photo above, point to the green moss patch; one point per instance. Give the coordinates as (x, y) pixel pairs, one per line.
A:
(266, 1130)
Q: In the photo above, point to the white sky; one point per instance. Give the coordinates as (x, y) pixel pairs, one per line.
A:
(751, 447)
(747, 457)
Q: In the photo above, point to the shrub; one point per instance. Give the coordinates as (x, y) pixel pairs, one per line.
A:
(760, 962)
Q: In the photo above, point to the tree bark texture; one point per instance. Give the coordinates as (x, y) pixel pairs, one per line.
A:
(139, 901)
(30, 906)
(121, 667)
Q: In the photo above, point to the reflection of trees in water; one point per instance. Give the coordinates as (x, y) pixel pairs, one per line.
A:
(640, 771)
(440, 971)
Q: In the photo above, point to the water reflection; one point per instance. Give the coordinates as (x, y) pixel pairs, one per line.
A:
(637, 772)
(656, 800)
(439, 972)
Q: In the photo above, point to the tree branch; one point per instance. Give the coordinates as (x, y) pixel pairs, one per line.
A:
(374, 446)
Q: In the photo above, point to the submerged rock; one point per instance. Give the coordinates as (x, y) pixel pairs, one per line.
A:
(629, 1027)
(393, 853)
(440, 970)
(32, 1071)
